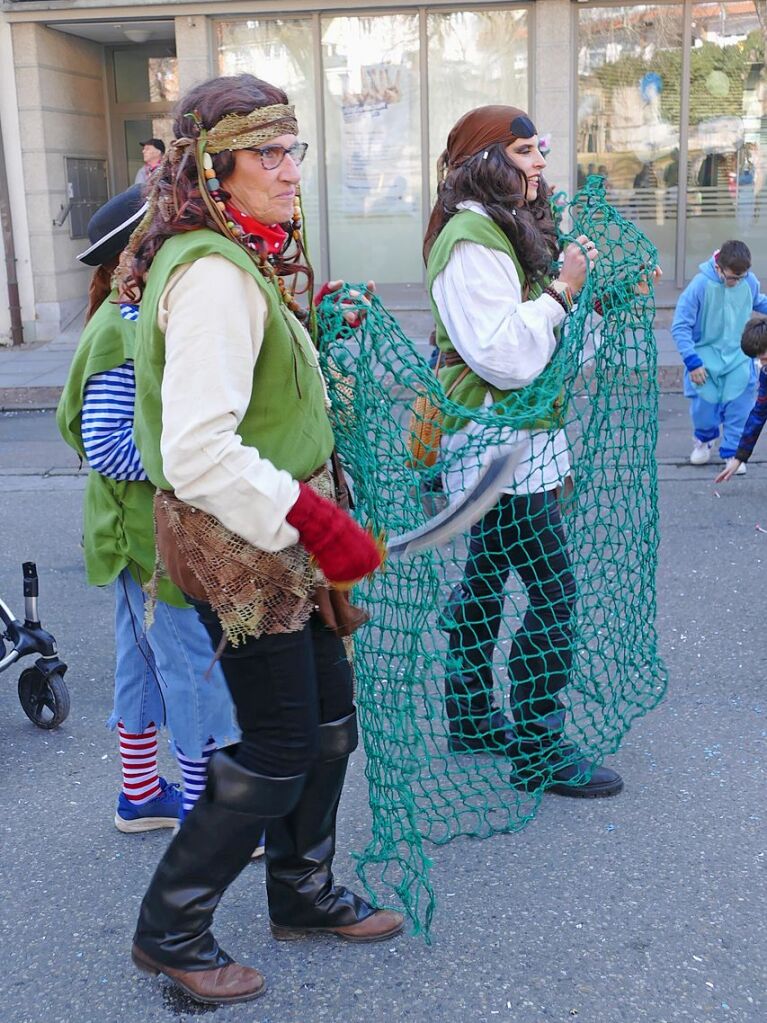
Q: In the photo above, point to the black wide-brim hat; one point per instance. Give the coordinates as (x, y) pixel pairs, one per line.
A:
(111, 226)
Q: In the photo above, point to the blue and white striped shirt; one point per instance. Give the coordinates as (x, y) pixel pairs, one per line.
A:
(107, 419)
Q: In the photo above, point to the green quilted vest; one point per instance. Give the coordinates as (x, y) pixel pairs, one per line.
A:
(118, 523)
(529, 410)
(286, 419)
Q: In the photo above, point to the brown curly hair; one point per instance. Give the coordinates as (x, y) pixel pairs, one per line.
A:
(494, 181)
(176, 204)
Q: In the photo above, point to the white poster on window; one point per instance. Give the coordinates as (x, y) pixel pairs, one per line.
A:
(376, 129)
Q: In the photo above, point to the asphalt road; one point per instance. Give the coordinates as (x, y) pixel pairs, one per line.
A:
(648, 908)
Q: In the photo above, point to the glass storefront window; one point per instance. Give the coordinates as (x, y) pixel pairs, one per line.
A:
(280, 51)
(629, 88)
(372, 71)
(163, 79)
(727, 133)
(143, 79)
(373, 146)
(475, 57)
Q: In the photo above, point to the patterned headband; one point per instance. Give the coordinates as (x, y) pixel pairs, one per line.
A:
(243, 131)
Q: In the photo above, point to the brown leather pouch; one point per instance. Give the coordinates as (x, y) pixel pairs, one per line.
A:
(334, 606)
(172, 558)
(337, 612)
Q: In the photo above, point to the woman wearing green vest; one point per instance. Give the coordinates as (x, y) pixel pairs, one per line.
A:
(232, 426)
(490, 250)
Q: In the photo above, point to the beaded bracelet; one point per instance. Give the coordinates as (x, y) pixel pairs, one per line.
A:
(565, 298)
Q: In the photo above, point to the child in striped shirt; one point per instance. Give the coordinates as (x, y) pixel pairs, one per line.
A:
(164, 672)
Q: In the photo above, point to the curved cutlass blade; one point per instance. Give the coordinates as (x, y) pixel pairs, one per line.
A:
(461, 514)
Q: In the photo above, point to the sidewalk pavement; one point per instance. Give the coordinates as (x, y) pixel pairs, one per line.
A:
(32, 376)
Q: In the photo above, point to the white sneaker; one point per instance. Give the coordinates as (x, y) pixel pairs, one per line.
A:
(741, 470)
(701, 452)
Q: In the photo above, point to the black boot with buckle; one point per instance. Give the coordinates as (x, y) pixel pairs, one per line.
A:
(216, 841)
(303, 898)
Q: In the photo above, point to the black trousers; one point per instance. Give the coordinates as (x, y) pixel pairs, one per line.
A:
(283, 687)
(523, 533)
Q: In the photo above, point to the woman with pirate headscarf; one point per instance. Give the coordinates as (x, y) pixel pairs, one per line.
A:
(498, 300)
(231, 422)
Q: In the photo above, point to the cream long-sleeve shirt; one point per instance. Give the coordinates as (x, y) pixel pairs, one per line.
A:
(213, 315)
(508, 343)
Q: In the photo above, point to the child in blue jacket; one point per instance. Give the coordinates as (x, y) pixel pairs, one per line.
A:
(719, 379)
(754, 344)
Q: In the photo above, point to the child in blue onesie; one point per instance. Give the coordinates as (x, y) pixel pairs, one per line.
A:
(754, 344)
(719, 379)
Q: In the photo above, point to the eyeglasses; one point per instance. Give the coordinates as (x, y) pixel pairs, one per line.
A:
(732, 278)
(272, 156)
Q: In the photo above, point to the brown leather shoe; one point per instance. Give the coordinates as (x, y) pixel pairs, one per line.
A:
(379, 926)
(231, 983)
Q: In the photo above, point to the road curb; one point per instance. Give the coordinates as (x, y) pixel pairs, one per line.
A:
(45, 399)
(29, 399)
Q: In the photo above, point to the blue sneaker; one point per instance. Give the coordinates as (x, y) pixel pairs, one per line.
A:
(161, 812)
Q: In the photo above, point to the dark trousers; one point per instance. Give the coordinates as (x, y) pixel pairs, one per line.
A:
(523, 533)
(284, 687)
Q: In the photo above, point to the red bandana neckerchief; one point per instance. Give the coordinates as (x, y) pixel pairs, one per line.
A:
(273, 235)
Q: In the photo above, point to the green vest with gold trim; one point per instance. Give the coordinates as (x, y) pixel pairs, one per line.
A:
(286, 419)
(530, 410)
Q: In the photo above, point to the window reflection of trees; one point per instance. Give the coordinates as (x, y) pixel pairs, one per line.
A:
(619, 49)
(163, 79)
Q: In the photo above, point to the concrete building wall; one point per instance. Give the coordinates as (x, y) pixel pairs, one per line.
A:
(14, 169)
(59, 82)
(5, 312)
(193, 51)
(553, 96)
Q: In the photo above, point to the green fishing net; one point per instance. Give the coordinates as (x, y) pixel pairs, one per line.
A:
(509, 651)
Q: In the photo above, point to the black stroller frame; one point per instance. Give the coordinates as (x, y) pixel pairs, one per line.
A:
(43, 693)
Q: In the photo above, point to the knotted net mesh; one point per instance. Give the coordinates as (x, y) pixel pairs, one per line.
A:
(499, 661)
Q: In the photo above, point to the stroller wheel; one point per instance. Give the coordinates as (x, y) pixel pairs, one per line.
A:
(45, 701)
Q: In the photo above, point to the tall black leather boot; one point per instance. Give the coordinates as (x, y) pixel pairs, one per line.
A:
(173, 934)
(543, 758)
(303, 898)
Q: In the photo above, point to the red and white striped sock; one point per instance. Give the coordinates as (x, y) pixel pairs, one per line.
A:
(138, 756)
